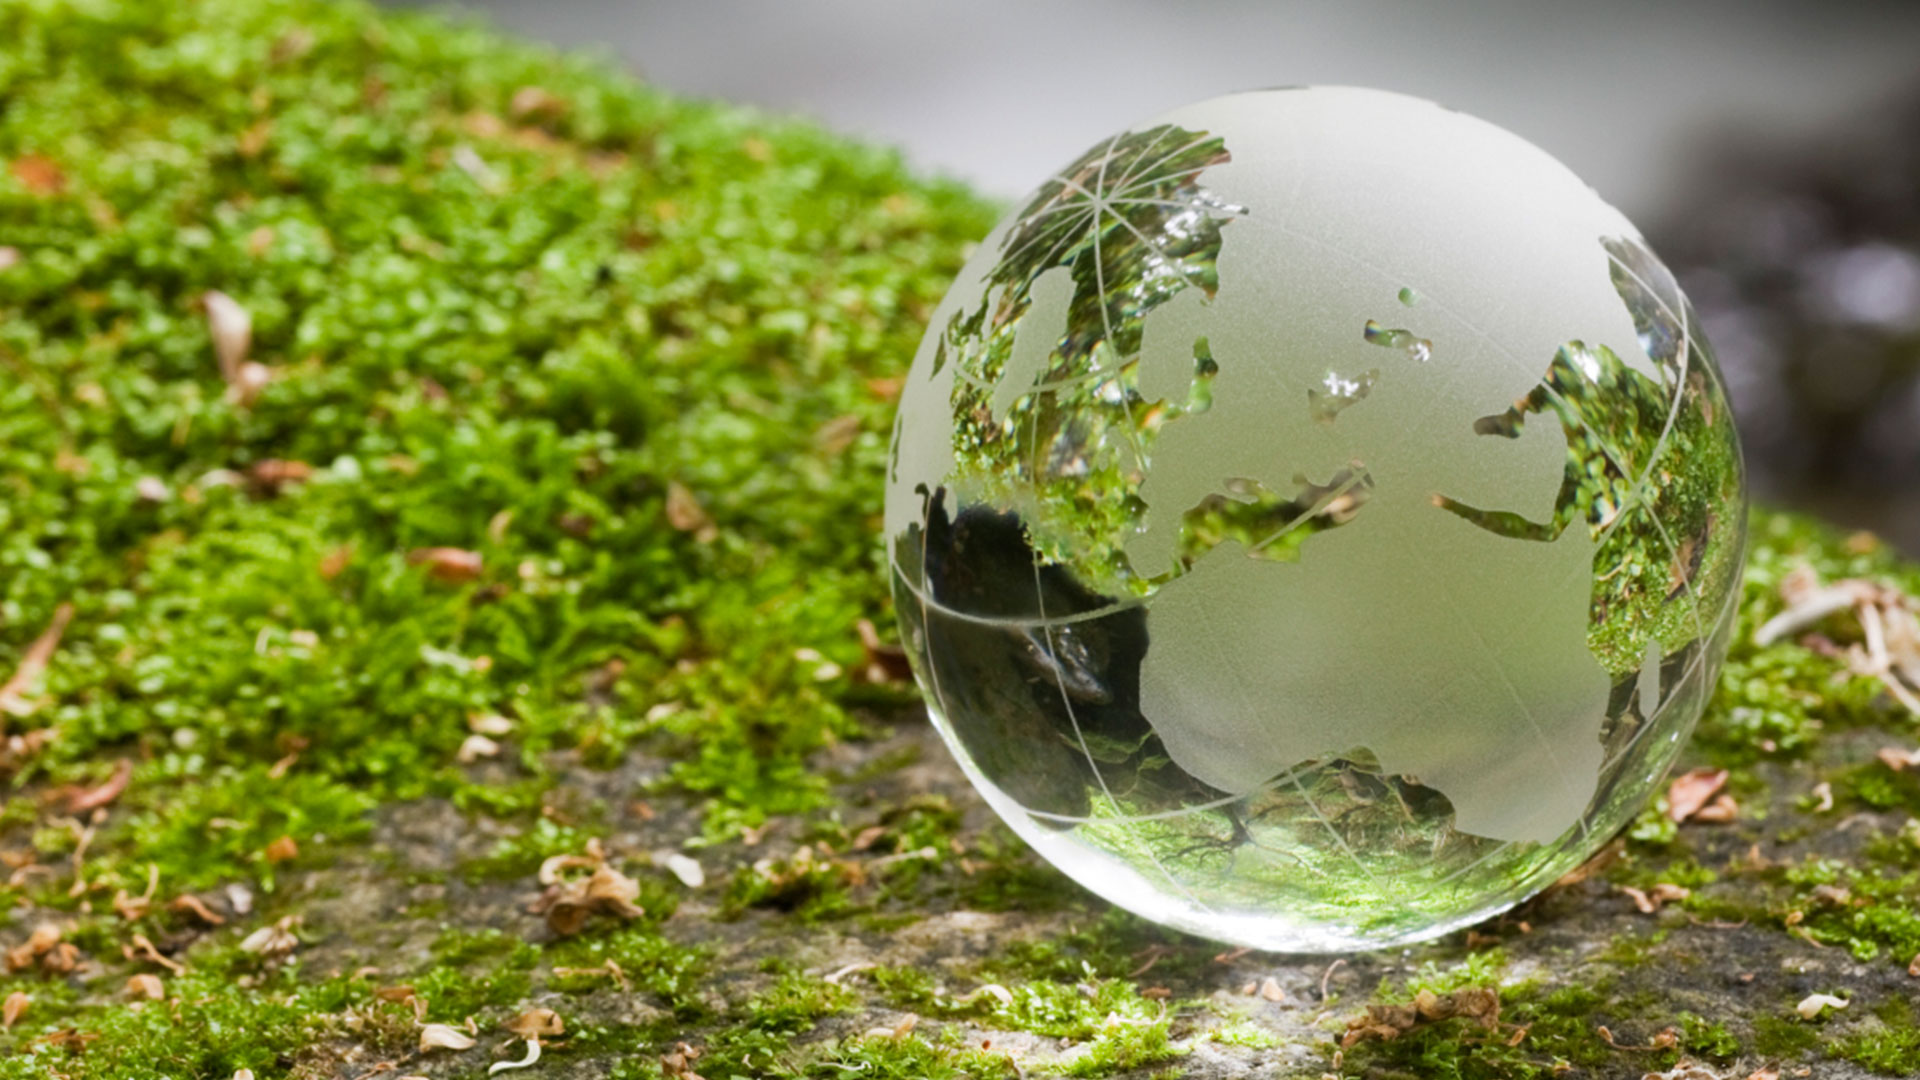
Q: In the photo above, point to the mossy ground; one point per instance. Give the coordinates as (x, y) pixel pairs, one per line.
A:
(636, 357)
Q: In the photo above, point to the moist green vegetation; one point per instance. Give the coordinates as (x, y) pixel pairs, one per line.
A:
(569, 428)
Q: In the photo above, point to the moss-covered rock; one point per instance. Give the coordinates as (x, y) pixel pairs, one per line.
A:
(438, 490)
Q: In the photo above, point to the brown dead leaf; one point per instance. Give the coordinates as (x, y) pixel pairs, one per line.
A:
(679, 1063)
(1722, 810)
(336, 561)
(451, 565)
(1270, 989)
(33, 663)
(1651, 900)
(444, 1037)
(41, 943)
(273, 474)
(685, 513)
(1479, 1004)
(194, 906)
(285, 849)
(143, 949)
(130, 907)
(569, 902)
(84, 799)
(15, 1006)
(537, 1024)
(40, 175)
(1691, 790)
(146, 987)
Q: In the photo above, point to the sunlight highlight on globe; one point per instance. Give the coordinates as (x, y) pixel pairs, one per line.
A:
(1315, 519)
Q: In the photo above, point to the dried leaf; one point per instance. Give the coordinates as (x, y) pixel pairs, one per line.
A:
(240, 899)
(33, 663)
(1691, 790)
(231, 328)
(38, 174)
(1270, 989)
(687, 869)
(143, 949)
(885, 662)
(1651, 900)
(1479, 1004)
(1813, 1005)
(1897, 759)
(273, 474)
(16, 1004)
(444, 1037)
(1722, 810)
(569, 904)
(534, 101)
(1822, 797)
(284, 849)
(146, 986)
(336, 561)
(194, 906)
(489, 724)
(536, 1024)
(39, 946)
(272, 941)
(533, 1055)
(451, 565)
(475, 747)
(685, 513)
(81, 801)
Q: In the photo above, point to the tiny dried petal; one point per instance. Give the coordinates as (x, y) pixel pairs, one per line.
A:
(1897, 759)
(282, 850)
(272, 941)
(489, 724)
(16, 1004)
(231, 328)
(33, 663)
(475, 747)
(444, 1037)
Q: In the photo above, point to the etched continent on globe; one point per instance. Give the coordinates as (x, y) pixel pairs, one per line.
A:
(1314, 519)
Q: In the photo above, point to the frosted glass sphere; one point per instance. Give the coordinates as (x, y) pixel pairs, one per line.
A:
(1315, 519)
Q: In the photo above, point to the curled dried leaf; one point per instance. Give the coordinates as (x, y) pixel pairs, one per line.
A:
(447, 564)
(85, 799)
(143, 949)
(1897, 759)
(537, 1024)
(194, 906)
(231, 328)
(444, 1037)
(274, 940)
(146, 987)
(1691, 790)
(1650, 900)
(284, 849)
(33, 663)
(15, 1007)
(533, 1055)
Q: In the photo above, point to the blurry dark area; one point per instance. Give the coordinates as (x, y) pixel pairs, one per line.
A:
(1803, 260)
(1770, 149)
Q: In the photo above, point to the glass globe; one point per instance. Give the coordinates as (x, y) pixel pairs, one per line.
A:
(1315, 519)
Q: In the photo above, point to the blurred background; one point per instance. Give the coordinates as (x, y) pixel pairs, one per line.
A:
(1770, 149)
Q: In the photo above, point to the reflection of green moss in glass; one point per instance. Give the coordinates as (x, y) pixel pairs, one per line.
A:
(1134, 230)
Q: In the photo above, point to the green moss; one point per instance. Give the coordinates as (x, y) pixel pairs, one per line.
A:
(1778, 1037)
(1891, 1046)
